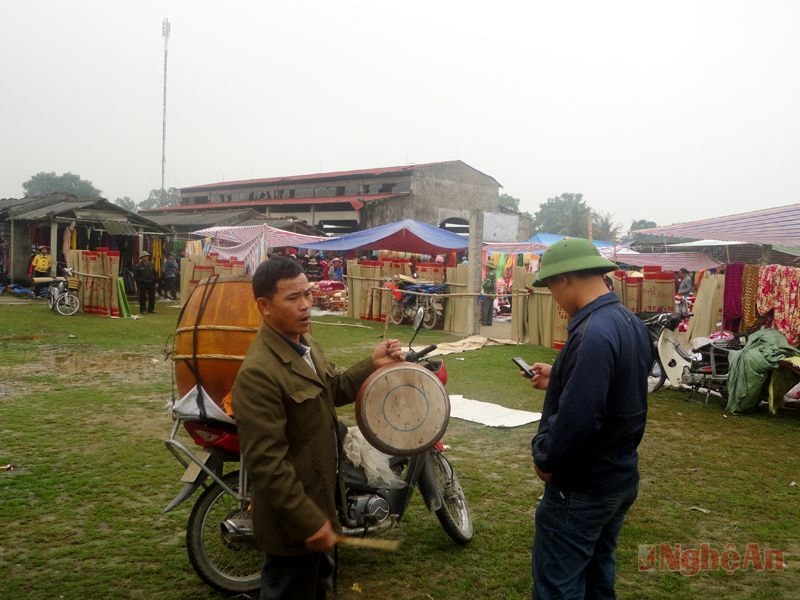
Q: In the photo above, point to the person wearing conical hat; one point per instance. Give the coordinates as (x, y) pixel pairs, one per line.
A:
(593, 419)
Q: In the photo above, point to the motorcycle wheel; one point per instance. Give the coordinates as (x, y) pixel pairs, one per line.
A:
(430, 317)
(396, 312)
(656, 377)
(454, 515)
(231, 567)
(67, 304)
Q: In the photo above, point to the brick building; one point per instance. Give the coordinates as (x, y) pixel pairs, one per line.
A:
(441, 194)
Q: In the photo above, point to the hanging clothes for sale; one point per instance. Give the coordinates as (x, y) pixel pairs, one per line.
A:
(751, 320)
(778, 286)
(732, 297)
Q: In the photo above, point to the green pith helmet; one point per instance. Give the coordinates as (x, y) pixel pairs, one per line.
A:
(143, 253)
(568, 255)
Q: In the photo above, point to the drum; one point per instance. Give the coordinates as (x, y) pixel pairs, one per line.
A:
(402, 409)
(215, 329)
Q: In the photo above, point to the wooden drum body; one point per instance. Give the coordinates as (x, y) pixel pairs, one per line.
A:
(215, 329)
(402, 409)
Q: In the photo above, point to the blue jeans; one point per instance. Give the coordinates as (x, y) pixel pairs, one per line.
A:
(574, 547)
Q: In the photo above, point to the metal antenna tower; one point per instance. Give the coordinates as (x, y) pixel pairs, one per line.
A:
(165, 33)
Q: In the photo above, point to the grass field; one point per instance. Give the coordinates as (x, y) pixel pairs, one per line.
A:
(83, 412)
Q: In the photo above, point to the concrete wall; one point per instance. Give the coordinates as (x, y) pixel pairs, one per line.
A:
(20, 251)
(500, 227)
(438, 192)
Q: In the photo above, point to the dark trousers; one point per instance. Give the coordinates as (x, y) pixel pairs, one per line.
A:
(169, 287)
(147, 297)
(487, 310)
(574, 548)
(303, 577)
(38, 286)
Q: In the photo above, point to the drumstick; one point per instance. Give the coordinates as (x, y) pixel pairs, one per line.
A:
(382, 544)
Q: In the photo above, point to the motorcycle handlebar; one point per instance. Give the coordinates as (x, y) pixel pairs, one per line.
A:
(414, 356)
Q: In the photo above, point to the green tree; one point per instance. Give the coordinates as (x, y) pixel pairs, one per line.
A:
(43, 183)
(567, 214)
(126, 203)
(604, 228)
(642, 224)
(154, 199)
(509, 202)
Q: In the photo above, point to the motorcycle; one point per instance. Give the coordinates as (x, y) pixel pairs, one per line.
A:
(702, 364)
(219, 534)
(404, 305)
(62, 293)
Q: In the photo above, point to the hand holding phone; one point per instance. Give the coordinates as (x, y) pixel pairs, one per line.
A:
(524, 367)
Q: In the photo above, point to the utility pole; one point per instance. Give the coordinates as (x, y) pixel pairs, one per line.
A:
(165, 33)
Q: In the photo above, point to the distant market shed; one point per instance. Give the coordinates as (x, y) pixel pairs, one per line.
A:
(63, 222)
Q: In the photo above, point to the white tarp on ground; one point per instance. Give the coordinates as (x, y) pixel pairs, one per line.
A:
(489, 414)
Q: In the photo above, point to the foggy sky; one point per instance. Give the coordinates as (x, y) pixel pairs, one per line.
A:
(661, 111)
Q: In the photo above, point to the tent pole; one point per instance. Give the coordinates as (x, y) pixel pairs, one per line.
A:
(475, 258)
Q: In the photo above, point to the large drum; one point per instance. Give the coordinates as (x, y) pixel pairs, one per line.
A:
(402, 409)
(215, 328)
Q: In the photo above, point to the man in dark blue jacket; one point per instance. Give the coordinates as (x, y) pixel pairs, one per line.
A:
(592, 422)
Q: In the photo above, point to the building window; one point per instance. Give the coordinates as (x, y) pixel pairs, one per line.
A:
(291, 193)
(304, 193)
(386, 188)
(403, 186)
(323, 192)
(340, 190)
(352, 190)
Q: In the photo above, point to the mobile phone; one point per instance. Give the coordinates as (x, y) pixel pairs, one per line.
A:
(525, 367)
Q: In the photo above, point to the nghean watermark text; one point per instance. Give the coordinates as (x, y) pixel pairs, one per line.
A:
(706, 558)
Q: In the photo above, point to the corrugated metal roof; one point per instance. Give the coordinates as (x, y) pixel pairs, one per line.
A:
(50, 210)
(118, 228)
(779, 226)
(206, 218)
(356, 202)
(375, 172)
(311, 177)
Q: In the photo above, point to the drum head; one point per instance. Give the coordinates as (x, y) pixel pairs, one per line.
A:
(402, 409)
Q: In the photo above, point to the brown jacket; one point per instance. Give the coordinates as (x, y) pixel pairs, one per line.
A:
(287, 429)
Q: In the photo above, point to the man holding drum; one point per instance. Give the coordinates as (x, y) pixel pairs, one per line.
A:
(283, 399)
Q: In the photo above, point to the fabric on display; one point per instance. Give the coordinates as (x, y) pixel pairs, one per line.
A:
(732, 297)
(750, 317)
(778, 287)
(707, 306)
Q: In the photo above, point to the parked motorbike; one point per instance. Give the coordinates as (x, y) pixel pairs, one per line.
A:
(62, 293)
(404, 305)
(219, 534)
(701, 364)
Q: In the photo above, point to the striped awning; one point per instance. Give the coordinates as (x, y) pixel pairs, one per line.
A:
(275, 238)
(777, 226)
(668, 261)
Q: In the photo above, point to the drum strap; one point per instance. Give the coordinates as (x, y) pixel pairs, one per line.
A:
(194, 366)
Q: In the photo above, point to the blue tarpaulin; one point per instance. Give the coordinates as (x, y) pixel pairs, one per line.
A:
(400, 236)
(548, 239)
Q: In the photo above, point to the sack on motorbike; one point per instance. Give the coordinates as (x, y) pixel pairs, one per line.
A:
(374, 462)
(187, 407)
